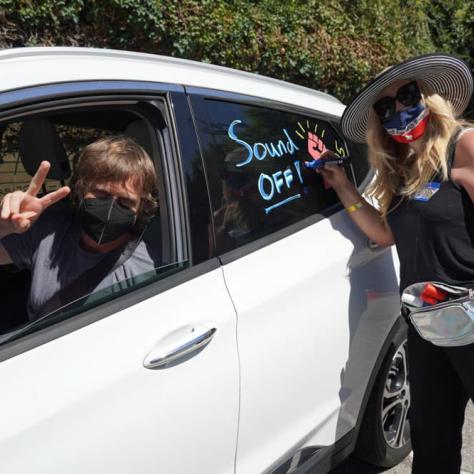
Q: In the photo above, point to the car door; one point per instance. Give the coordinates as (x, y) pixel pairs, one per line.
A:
(301, 276)
(145, 381)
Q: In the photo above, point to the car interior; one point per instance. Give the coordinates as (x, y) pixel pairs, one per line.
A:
(58, 137)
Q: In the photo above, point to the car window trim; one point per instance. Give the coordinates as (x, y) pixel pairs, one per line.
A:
(174, 174)
(192, 166)
(14, 98)
(261, 102)
(333, 121)
(120, 93)
(141, 107)
(108, 97)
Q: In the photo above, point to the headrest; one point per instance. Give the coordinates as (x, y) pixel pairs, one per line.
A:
(138, 130)
(39, 141)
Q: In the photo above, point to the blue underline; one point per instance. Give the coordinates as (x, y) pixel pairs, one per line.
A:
(278, 204)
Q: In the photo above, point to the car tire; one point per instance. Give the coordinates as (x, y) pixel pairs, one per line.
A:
(384, 436)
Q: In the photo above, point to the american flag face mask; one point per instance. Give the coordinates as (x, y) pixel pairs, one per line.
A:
(408, 125)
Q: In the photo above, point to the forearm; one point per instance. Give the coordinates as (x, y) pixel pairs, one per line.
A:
(4, 255)
(366, 217)
(5, 258)
(5, 230)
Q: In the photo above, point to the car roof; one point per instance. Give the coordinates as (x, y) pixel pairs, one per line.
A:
(26, 67)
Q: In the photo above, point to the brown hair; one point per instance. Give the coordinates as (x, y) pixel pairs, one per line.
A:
(117, 159)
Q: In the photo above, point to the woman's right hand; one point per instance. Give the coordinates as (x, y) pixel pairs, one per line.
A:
(19, 210)
(333, 174)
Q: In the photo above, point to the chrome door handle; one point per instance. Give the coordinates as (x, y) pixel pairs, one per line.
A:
(158, 358)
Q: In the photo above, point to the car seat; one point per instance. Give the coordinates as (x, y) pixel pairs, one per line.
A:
(138, 130)
(38, 140)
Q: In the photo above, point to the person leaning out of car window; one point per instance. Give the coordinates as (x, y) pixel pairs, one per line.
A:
(423, 155)
(114, 195)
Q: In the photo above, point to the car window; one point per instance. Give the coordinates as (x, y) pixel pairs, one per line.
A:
(255, 164)
(59, 138)
(95, 299)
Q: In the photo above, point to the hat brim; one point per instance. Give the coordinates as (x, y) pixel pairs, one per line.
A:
(447, 75)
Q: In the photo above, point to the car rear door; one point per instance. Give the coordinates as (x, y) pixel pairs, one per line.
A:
(301, 276)
(146, 381)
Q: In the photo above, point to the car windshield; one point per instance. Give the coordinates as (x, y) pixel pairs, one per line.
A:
(95, 299)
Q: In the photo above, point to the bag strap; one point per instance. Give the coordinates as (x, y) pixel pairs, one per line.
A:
(452, 147)
(88, 281)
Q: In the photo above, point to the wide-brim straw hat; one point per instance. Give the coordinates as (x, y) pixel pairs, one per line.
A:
(448, 76)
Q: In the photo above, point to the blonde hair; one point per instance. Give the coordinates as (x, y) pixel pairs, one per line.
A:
(398, 169)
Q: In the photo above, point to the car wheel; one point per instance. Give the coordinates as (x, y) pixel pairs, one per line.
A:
(384, 437)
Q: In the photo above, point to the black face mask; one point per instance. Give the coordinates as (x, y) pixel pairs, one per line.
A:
(105, 219)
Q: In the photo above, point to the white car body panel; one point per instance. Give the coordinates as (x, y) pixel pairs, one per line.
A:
(289, 371)
(295, 337)
(27, 67)
(85, 403)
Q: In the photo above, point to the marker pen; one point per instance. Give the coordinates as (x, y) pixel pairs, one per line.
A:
(317, 164)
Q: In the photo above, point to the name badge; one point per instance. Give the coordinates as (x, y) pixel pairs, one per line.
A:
(427, 192)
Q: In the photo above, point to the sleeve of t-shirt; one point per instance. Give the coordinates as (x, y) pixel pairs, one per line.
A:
(22, 247)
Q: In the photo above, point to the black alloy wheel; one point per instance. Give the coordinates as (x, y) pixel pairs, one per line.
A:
(384, 436)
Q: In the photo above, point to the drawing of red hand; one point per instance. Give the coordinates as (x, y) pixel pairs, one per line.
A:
(316, 146)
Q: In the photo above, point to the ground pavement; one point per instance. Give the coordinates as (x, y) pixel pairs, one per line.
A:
(352, 466)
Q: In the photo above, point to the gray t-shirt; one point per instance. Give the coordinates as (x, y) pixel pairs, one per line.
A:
(51, 251)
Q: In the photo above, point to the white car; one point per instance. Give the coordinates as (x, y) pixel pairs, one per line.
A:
(270, 340)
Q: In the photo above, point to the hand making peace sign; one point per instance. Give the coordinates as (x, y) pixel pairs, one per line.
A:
(19, 210)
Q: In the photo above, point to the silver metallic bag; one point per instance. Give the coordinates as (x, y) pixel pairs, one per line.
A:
(442, 314)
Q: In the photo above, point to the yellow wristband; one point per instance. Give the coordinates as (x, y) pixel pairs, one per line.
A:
(354, 207)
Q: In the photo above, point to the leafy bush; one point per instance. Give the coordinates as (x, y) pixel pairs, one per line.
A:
(452, 27)
(333, 46)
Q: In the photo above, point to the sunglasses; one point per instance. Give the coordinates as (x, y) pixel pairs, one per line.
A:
(408, 95)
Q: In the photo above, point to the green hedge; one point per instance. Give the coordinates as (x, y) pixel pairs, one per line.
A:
(333, 46)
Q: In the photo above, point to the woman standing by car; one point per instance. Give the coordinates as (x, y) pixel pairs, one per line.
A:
(423, 157)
